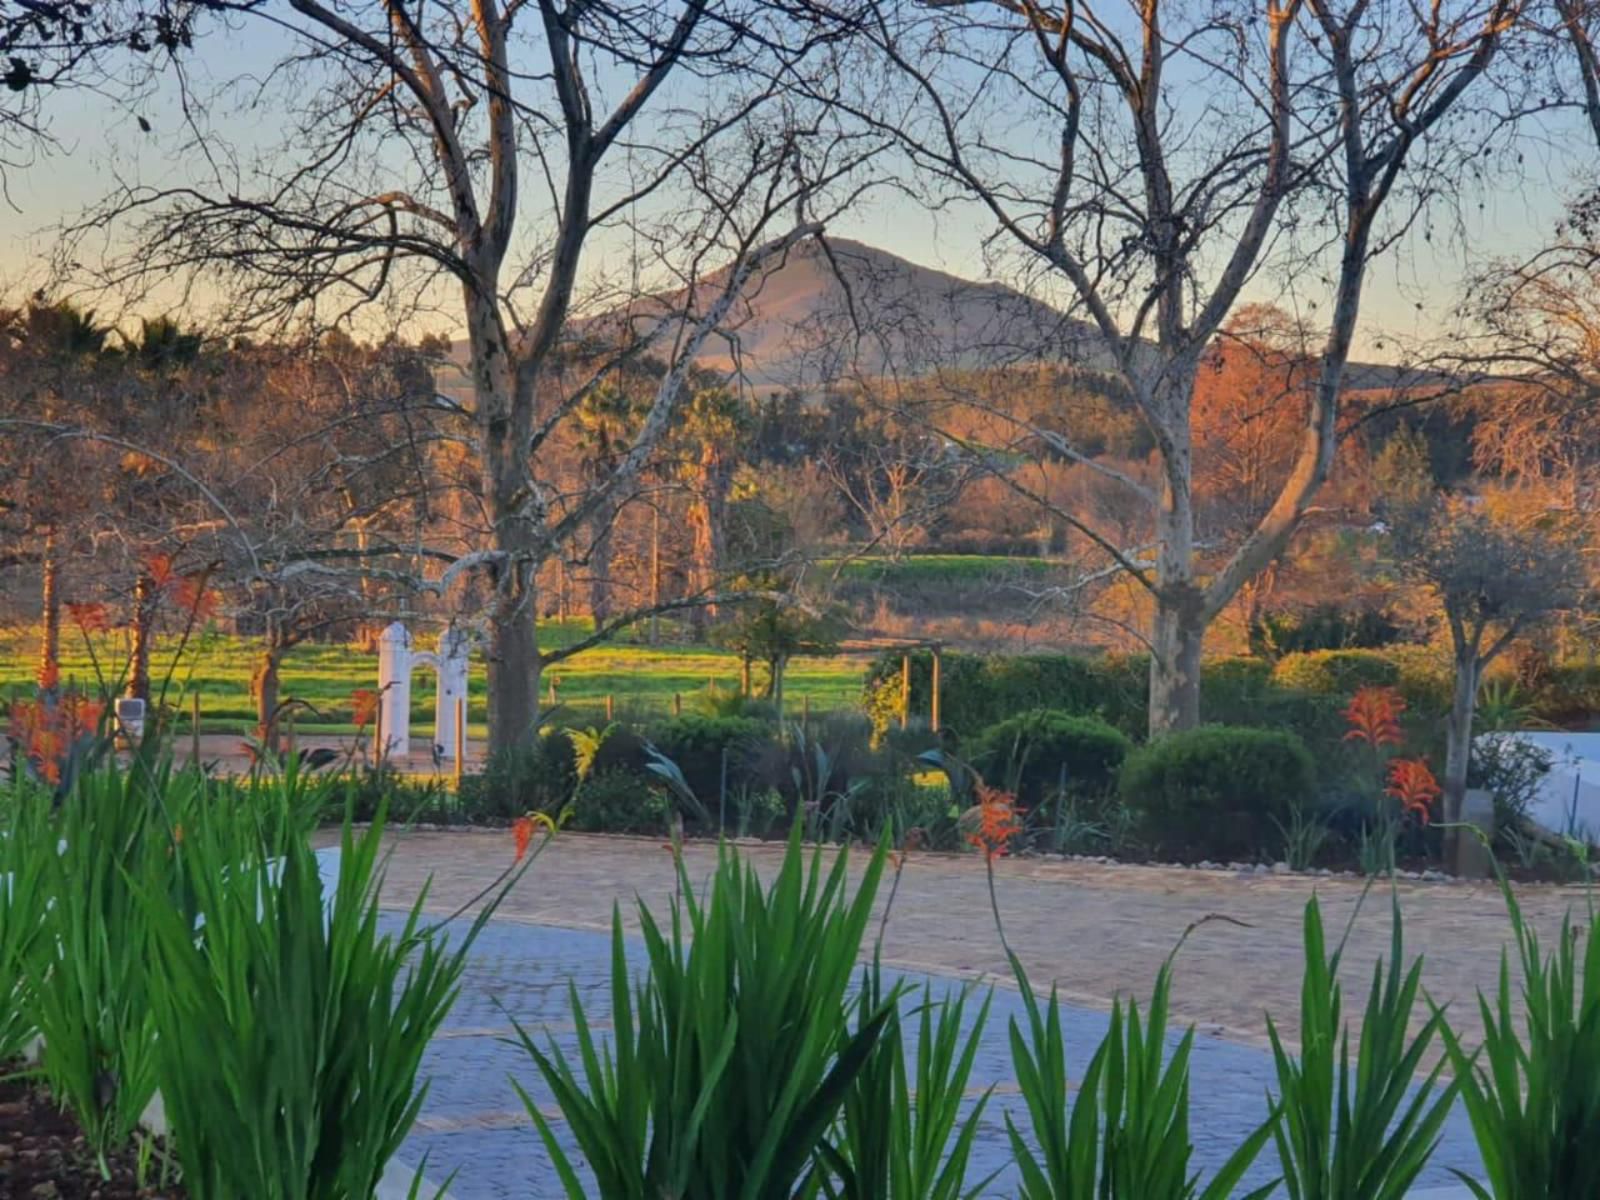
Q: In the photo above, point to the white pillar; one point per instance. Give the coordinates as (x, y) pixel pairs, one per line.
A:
(394, 689)
(451, 663)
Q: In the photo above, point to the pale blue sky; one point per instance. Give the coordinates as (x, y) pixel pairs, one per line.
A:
(98, 142)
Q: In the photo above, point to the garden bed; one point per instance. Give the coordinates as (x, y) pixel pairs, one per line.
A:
(43, 1155)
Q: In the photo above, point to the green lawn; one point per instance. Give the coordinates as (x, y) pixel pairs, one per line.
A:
(642, 679)
(940, 568)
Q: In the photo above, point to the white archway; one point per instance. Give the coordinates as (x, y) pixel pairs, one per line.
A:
(396, 661)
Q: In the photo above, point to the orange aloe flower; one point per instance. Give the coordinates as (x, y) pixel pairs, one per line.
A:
(363, 706)
(89, 617)
(1413, 784)
(997, 821)
(48, 675)
(1374, 717)
(522, 832)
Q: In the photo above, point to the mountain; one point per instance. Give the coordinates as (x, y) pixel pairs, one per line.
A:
(837, 309)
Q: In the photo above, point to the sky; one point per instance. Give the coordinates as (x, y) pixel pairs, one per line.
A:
(1408, 297)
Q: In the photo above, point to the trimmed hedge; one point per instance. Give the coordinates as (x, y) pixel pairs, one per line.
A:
(1029, 751)
(1217, 792)
(1336, 672)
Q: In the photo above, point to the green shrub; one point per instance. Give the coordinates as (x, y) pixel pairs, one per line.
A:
(1569, 696)
(1332, 626)
(1336, 672)
(697, 744)
(539, 779)
(1511, 770)
(1217, 791)
(979, 691)
(1032, 753)
(617, 800)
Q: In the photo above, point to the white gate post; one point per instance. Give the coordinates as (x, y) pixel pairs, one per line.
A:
(394, 689)
(451, 663)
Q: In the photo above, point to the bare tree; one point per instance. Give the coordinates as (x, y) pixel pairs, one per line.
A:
(1190, 150)
(458, 157)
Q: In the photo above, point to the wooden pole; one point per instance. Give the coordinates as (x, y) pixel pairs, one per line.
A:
(934, 712)
(905, 689)
(552, 691)
(677, 704)
(610, 707)
(461, 739)
(194, 730)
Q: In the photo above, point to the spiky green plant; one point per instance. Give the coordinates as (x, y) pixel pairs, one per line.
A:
(730, 1060)
(902, 1136)
(27, 839)
(87, 976)
(1362, 1130)
(291, 1030)
(1126, 1134)
(1532, 1091)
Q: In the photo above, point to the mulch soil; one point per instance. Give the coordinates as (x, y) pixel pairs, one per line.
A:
(43, 1155)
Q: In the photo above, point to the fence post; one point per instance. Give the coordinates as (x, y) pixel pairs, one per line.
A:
(905, 689)
(461, 739)
(677, 704)
(552, 691)
(610, 707)
(934, 715)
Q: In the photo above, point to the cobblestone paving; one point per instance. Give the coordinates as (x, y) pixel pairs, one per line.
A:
(1095, 930)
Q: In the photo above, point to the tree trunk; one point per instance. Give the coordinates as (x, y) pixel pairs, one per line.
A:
(513, 635)
(600, 559)
(50, 606)
(708, 525)
(1458, 746)
(264, 686)
(141, 629)
(1180, 619)
(777, 667)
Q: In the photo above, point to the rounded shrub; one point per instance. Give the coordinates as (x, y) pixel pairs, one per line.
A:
(1336, 672)
(616, 800)
(1030, 752)
(1218, 791)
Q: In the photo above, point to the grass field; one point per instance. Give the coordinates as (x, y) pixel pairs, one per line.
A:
(924, 569)
(642, 679)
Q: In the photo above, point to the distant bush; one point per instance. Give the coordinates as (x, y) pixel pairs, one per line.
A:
(697, 744)
(617, 800)
(1326, 627)
(1511, 771)
(979, 691)
(1032, 752)
(1216, 792)
(1336, 672)
(1568, 696)
(539, 779)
